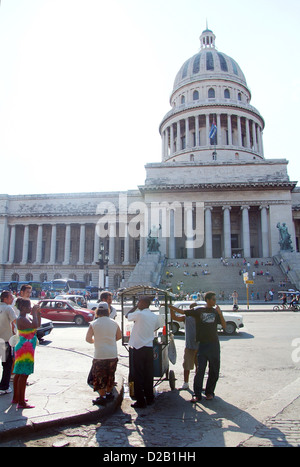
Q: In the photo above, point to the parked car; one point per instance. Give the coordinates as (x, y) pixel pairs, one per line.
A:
(65, 310)
(79, 300)
(234, 321)
(44, 329)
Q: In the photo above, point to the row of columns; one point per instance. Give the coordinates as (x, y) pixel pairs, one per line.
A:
(208, 232)
(245, 231)
(189, 230)
(172, 144)
(67, 245)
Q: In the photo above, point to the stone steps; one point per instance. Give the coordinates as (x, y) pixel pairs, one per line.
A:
(222, 277)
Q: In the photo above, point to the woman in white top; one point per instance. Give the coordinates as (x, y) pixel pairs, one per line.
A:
(104, 333)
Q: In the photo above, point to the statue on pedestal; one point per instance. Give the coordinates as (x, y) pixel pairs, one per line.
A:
(285, 241)
(152, 240)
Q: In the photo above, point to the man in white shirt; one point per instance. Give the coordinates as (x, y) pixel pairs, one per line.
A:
(141, 342)
(7, 317)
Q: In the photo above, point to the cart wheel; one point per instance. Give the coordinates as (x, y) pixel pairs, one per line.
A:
(172, 379)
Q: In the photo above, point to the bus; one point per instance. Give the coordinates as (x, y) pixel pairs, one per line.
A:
(15, 286)
(68, 285)
(4, 286)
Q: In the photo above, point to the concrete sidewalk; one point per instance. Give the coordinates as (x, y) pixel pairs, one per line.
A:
(64, 402)
(58, 402)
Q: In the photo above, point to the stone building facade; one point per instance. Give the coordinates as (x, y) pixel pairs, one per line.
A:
(213, 194)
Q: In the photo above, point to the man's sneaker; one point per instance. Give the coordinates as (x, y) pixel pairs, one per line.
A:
(185, 386)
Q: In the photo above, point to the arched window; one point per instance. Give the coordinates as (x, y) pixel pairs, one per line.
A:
(239, 96)
(43, 277)
(195, 95)
(227, 94)
(88, 278)
(29, 277)
(211, 93)
(182, 100)
(15, 277)
(72, 276)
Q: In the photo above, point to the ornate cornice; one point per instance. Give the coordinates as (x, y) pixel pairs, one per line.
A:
(278, 185)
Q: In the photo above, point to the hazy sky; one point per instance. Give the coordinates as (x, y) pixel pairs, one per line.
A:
(84, 85)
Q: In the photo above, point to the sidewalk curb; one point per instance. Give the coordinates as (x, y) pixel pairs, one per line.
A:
(89, 415)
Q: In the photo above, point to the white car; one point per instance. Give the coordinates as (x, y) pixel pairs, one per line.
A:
(233, 320)
(78, 299)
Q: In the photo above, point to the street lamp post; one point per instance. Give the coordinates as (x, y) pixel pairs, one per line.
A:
(102, 261)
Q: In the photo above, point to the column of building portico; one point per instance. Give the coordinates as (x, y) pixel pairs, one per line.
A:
(172, 243)
(126, 247)
(39, 244)
(12, 244)
(264, 231)
(96, 245)
(246, 231)
(189, 233)
(67, 244)
(4, 246)
(112, 237)
(81, 245)
(53, 245)
(227, 231)
(25, 245)
(208, 232)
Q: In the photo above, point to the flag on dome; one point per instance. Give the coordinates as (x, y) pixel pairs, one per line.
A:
(213, 132)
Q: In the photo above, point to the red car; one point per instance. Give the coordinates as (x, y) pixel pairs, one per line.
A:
(65, 310)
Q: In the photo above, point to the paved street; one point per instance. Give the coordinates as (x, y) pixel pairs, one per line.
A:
(257, 397)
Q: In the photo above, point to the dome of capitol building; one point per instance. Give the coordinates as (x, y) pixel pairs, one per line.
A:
(211, 89)
(209, 63)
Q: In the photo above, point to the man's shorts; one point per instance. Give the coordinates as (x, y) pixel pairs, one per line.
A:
(189, 359)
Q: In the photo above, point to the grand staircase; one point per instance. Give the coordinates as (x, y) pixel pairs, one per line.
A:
(223, 277)
(185, 276)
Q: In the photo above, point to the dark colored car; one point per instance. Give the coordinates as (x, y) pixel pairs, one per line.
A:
(44, 329)
(65, 311)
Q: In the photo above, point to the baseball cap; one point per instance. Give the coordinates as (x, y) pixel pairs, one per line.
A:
(102, 306)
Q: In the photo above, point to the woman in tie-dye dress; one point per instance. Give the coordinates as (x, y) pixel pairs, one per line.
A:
(24, 350)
